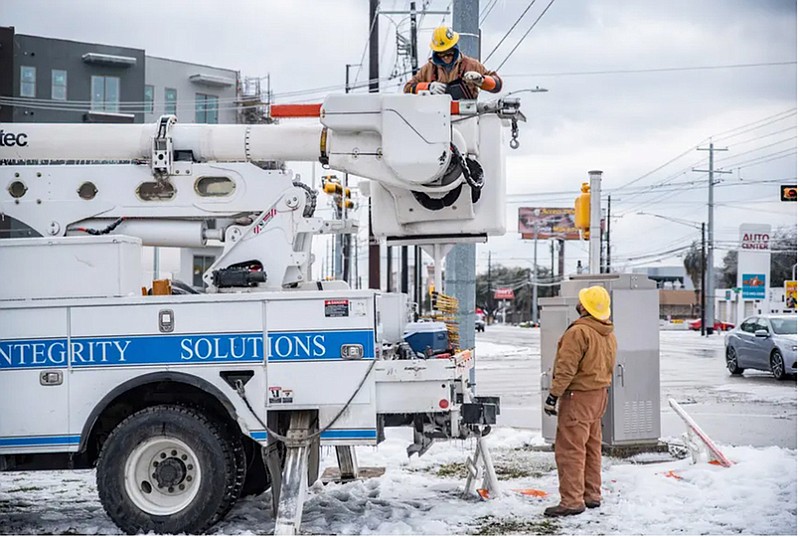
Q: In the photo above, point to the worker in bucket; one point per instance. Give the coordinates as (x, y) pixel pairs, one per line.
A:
(449, 71)
(582, 373)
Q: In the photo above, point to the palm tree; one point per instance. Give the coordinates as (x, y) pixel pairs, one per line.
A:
(693, 263)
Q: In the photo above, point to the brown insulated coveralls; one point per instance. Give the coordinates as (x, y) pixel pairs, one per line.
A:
(431, 72)
(582, 373)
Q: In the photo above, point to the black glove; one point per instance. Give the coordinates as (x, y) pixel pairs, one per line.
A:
(550, 405)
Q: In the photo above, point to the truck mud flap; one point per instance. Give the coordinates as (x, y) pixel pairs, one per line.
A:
(482, 411)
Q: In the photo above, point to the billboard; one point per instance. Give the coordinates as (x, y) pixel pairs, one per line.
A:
(790, 293)
(548, 223)
(504, 293)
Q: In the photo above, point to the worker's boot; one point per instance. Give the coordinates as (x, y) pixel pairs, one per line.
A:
(560, 510)
(592, 504)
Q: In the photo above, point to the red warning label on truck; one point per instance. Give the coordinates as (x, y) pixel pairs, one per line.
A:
(337, 308)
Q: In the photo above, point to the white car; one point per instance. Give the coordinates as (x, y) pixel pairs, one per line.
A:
(763, 342)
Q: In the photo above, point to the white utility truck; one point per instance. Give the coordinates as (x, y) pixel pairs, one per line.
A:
(185, 402)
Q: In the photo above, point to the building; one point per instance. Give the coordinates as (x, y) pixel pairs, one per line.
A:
(667, 277)
(193, 92)
(64, 81)
(678, 304)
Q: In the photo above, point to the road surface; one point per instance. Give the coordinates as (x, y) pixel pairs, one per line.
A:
(753, 409)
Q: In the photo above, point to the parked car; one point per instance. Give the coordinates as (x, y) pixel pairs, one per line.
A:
(763, 342)
(480, 324)
(719, 326)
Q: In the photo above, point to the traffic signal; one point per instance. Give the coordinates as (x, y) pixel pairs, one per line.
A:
(341, 194)
(788, 192)
(583, 210)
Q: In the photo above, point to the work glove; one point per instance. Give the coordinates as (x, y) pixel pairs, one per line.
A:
(437, 88)
(550, 405)
(473, 77)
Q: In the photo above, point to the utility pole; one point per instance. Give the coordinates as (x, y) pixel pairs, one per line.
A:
(710, 284)
(703, 279)
(460, 266)
(608, 236)
(561, 258)
(374, 87)
(535, 291)
(490, 296)
(347, 239)
(404, 248)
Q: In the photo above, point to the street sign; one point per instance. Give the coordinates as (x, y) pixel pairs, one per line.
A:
(504, 293)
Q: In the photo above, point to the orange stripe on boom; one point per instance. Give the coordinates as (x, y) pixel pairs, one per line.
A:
(313, 110)
(295, 110)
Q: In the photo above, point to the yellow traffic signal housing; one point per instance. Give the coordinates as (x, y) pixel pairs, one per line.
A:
(335, 187)
(583, 210)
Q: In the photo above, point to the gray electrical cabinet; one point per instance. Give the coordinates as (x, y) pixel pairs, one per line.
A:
(633, 416)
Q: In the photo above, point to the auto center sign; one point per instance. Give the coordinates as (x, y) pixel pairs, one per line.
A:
(754, 240)
(754, 260)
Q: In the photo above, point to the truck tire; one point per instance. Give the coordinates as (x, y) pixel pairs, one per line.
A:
(257, 478)
(237, 443)
(168, 469)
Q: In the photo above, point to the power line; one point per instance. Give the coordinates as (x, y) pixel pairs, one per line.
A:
(487, 11)
(773, 133)
(651, 70)
(525, 35)
(486, 60)
(757, 149)
(755, 124)
(757, 160)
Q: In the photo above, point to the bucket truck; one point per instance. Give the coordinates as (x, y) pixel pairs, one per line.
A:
(184, 402)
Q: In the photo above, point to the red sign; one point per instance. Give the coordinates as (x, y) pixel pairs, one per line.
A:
(504, 293)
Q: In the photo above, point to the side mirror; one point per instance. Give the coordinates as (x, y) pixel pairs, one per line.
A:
(762, 333)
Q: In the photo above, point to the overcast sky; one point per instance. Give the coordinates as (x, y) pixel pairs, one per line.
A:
(626, 124)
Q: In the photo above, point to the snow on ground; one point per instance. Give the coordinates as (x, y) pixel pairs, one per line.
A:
(757, 496)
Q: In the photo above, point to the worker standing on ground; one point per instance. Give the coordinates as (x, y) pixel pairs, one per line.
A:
(449, 71)
(582, 373)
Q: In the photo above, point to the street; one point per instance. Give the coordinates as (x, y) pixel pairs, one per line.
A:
(753, 409)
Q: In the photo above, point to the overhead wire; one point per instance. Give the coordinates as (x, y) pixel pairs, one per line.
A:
(487, 11)
(650, 70)
(731, 157)
(736, 131)
(758, 160)
(513, 50)
(773, 133)
(508, 32)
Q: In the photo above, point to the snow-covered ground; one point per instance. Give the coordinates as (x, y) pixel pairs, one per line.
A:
(758, 495)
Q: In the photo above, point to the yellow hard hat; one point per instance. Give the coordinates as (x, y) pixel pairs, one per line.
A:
(597, 302)
(443, 38)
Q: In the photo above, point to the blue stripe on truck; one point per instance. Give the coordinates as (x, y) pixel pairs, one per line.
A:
(186, 349)
(26, 441)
